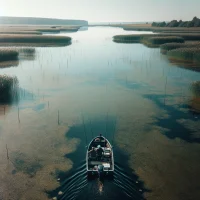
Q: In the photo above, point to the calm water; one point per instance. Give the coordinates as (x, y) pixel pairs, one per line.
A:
(129, 93)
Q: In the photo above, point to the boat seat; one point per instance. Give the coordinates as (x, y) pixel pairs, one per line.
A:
(97, 163)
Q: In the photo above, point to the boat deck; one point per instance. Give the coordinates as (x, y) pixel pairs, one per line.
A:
(106, 159)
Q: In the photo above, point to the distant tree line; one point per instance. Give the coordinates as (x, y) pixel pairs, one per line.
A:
(174, 23)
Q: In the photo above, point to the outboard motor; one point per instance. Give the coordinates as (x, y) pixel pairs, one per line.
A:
(100, 171)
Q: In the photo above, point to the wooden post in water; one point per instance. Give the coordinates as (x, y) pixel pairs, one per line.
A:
(58, 118)
(165, 91)
(18, 116)
(7, 152)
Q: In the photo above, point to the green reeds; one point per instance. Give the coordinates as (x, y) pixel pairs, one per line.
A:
(144, 37)
(185, 55)
(164, 48)
(8, 89)
(157, 41)
(127, 38)
(194, 103)
(8, 54)
(22, 32)
(26, 50)
(195, 87)
(34, 39)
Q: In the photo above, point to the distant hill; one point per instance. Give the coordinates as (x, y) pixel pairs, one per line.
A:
(195, 22)
(40, 21)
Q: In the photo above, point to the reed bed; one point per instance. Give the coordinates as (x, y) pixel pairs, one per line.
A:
(34, 39)
(48, 30)
(8, 89)
(9, 63)
(27, 50)
(164, 48)
(148, 27)
(157, 41)
(26, 53)
(194, 103)
(140, 37)
(21, 32)
(8, 54)
(186, 36)
(191, 55)
(195, 87)
(127, 38)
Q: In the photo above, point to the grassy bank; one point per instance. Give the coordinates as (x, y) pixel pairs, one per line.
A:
(157, 41)
(170, 46)
(21, 32)
(8, 54)
(191, 55)
(34, 39)
(195, 87)
(8, 89)
(151, 40)
(9, 63)
(36, 29)
(195, 101)
(148, 27)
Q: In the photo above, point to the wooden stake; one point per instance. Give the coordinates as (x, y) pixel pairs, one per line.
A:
(7, 152)
(18, 116)
(58, 118)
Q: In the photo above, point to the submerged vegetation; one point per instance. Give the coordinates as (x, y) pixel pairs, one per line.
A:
(25, 164)
(8, 89)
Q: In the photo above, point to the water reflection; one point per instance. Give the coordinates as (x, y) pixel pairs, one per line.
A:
(27, 53)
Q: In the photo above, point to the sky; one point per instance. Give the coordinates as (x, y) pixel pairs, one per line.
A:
(103, 10)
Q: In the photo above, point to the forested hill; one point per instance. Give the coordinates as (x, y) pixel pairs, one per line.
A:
(40, 21)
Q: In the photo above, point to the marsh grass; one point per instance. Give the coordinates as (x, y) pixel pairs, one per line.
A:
(9, 63)
(195, 87)
(194, 103)
(157, 41)
(26, 53)
(164, 48)
(143, 38)
(8, 89)
(34, 39)
(21, 32)
(190, 55)
(8, 54)
(26, 50)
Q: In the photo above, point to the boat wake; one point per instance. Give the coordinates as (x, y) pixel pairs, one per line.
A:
(77, 186)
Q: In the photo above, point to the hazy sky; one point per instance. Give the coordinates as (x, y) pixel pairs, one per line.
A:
(103, 10)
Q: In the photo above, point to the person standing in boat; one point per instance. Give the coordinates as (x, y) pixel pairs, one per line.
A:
(99, 151)
(93, 153)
